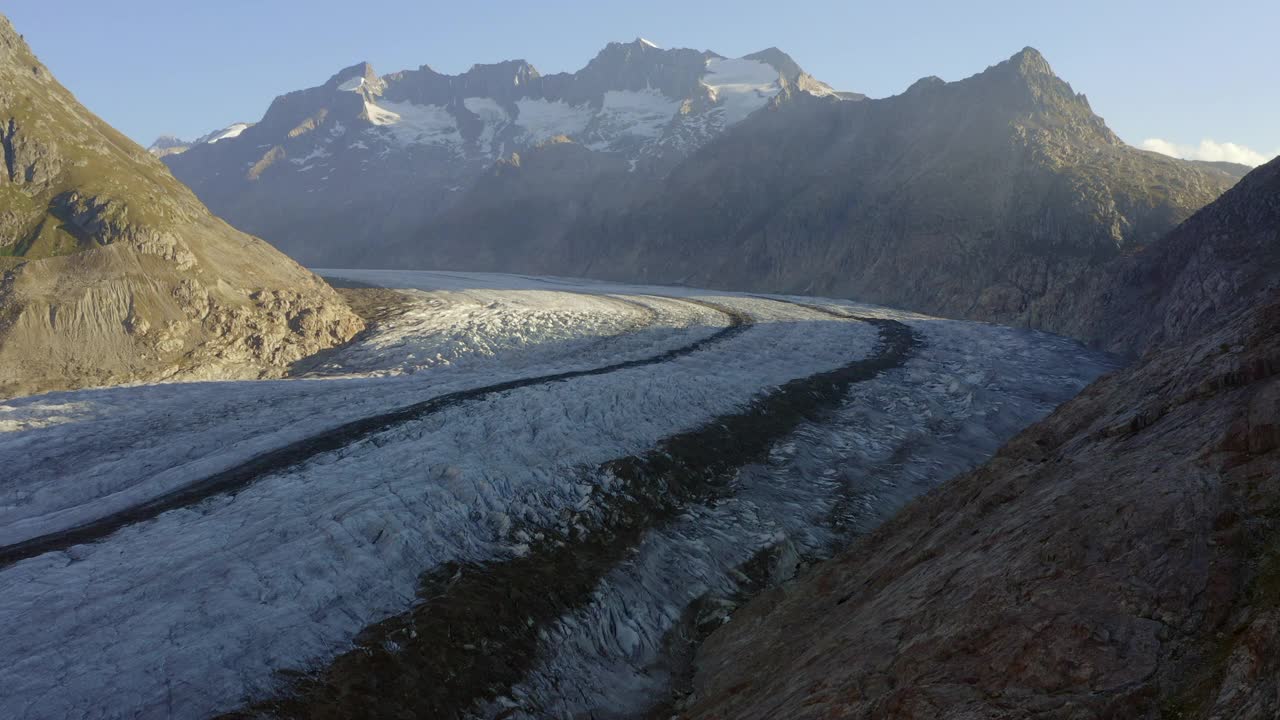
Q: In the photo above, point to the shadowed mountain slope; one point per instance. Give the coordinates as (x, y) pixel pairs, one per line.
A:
(1119, 559)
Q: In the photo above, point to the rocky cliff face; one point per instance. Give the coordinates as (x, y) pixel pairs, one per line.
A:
(1119, 559)
(364, 161)
(114, 272)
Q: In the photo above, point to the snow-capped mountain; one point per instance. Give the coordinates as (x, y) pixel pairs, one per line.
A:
(230, 131)
(166, 145)
(368, 158)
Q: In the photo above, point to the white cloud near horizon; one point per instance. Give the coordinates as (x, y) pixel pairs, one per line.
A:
(1210, 150)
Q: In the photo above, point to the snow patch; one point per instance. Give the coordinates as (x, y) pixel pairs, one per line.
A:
(741, 86)
(411, 124)
(492, 114)
(317, 154)
(225, 133)
(353, 84)
(545, 119)
(636, 113)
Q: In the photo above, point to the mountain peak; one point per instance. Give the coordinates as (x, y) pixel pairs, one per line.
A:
(638, 47)
(1027, 66)
(167, 141)
(523, 70)
(925, 83)
(779, 60)
(1025, 83)
(1028, 61)
(359, 71)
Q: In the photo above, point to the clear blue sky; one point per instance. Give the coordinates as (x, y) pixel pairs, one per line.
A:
(1178, 71)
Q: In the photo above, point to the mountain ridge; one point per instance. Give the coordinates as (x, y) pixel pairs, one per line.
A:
(364, 159)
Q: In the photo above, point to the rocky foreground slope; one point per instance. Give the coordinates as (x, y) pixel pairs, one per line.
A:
(114, 272)
(1119, 559)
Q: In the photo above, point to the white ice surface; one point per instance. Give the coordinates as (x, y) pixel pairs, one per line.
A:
(633, 113)
(353, 84)
(227, 132)
(190, 613)
(543, 119)
(412, 124)
(741, 86)
(121, 446)
(492, 115)
(896, 436)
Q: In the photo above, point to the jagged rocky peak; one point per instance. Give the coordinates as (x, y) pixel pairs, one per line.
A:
(925, 84)
(513, 71)
(1025, 68)
(497, 79)
(168, 145)
(639, 65)
(1028, 61)
(1029, 78)
(357, 77)
(1021, 92)
(640, 45)
(779, 60)
(168, 141)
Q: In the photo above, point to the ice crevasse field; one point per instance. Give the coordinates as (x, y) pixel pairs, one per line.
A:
(199, 605)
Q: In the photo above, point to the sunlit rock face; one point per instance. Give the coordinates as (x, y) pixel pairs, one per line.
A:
(113, 271)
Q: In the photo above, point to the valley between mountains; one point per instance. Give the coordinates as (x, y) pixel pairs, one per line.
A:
(677, 386)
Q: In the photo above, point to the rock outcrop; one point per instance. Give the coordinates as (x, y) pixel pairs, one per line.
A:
(112, 271)
(1119, 559)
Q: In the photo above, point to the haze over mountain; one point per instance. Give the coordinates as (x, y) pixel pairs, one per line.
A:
(337, 172)
(114, 272)
(678, 166)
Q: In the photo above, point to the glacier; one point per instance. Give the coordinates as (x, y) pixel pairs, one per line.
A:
(204, 608)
